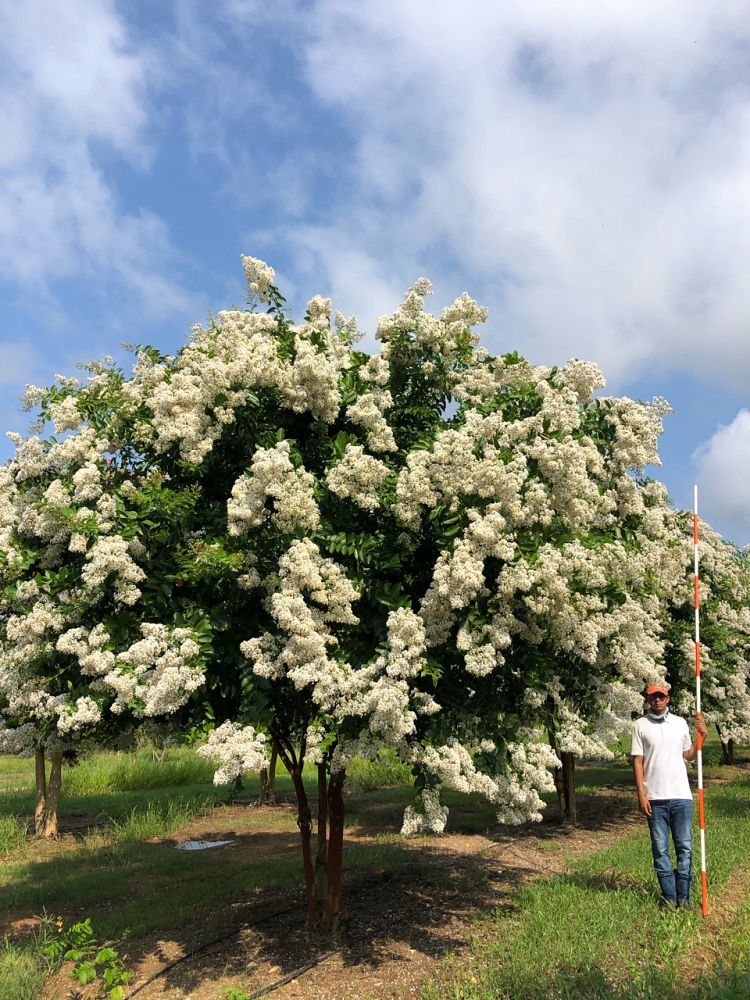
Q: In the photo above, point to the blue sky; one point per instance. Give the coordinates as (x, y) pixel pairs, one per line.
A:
(582, 169)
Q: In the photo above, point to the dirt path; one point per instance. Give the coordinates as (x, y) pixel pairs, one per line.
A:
(402, 920)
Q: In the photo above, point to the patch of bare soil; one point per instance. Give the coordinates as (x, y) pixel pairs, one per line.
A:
(400, 922)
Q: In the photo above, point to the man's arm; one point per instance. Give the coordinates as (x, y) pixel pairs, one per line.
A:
(702, 728)
(643, 803)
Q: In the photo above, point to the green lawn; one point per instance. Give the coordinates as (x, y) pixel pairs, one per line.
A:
(599, 931)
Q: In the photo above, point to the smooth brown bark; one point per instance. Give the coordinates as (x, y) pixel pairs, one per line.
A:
(53, 795)
(336, 814)
(569, 787)
(304, 822)
(321, 857)
(558, 778)
(40, 808)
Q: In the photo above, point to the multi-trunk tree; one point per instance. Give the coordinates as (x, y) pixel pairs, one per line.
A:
(429, 548)
(92, 637)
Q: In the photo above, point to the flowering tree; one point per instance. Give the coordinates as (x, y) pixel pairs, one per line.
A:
(429, 549)
(725, 632)
(90, 634)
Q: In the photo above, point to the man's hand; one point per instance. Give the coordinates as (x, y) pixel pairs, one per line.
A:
(644, 805)
(700, 725)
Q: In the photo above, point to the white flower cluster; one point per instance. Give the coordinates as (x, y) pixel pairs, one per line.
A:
(260, 276)
(109, 559)
(85, 713)
(314, 594)
(162, 670)
(191, 399)
(65, 415)
(516, 791)
(236, 749)
(610, 710)
(637, 427)
(358, 476)
(528, 775)
(369, 412)
(273, 476)
(430, 818)
(89, 648)
(436, 335)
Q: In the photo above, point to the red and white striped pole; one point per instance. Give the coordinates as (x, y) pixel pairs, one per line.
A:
(699, 738)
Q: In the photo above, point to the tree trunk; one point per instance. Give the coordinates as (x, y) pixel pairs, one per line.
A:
(727, 747)
(53, 795)
(335, 849)
(569, 787)
(321, 858)
(40, 808)
(268, 780)
(304, 822)
(558, 777)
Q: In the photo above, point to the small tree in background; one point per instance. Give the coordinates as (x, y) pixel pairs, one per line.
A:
(91, 634)
(724, 628)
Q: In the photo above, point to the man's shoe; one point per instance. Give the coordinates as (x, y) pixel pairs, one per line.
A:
(669, 904)
(683, 904)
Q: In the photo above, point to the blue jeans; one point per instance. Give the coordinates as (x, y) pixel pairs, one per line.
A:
(675, 816)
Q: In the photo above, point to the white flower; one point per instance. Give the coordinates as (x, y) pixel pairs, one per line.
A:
(259, 276)
(236, 749)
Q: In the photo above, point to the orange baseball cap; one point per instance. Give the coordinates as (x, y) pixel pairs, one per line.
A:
(659, 687)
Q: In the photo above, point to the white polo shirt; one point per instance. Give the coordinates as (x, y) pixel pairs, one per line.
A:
(661, 744)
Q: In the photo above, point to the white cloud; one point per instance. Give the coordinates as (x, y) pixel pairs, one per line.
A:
(723, 471)
(586, 168)
(72, 86)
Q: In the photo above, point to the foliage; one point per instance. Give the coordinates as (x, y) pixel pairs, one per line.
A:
(275, 537)
(91, 962)
(724, 572)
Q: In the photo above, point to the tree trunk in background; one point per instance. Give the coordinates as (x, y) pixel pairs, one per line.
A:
(336, 814)
(40, 808)
(268, 780)
(569, 787)
(558, 776)
(53, 795)
(727, 748)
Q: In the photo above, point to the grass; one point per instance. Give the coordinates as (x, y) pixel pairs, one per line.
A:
(12, 835)
(385, 771)
(22, 971)
(599, 931)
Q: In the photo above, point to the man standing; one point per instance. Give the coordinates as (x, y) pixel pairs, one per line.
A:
(661, 744)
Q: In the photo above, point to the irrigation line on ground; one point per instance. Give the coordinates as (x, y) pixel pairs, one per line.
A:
(265, 990)
(209, 944)
(199, 949)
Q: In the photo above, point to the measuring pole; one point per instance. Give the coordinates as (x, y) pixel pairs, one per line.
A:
(699, 739)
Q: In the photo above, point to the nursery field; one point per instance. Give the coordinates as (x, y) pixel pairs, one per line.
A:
(481, 912)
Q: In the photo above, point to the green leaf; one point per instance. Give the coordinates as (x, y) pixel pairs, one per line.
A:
(84, 973)
(105, 955)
